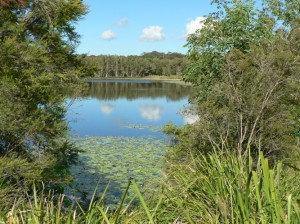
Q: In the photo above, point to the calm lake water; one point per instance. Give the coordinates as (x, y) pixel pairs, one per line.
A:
(111, 107)
(118, 125)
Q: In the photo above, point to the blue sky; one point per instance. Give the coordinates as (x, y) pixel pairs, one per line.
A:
(131, 27)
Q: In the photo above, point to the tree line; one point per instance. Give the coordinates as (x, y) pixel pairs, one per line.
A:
(151, 63)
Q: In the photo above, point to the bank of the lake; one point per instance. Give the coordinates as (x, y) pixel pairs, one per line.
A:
(169, 79)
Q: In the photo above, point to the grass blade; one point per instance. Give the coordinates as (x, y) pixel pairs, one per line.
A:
(123, 199)
(103, 214)
(136, 188)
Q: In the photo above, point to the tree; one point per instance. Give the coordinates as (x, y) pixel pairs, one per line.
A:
(153, 63)
(236, 25)
(37, 64)
(245, 72)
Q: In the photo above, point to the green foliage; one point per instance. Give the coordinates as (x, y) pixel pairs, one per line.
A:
(236, 25)
(153, 63)
(252, 105)
(219, 187)
(247, 81)
(180, 141)
(37, 63)
(227, 187)
(285, 11)
(44, 208)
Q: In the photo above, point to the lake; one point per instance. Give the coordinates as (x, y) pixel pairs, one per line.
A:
(118, 125)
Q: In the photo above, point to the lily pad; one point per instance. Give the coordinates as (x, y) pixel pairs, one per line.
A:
(113, 160)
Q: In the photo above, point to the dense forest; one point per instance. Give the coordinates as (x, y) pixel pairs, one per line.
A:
(152, 63)
(239, 163)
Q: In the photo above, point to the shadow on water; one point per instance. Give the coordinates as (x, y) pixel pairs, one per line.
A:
(87, 178)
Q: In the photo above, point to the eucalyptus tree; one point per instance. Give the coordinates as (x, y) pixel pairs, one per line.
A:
(245, 70)
(153, 63)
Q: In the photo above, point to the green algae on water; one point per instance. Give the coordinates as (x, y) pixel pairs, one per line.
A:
(151, 128)
(113, 160)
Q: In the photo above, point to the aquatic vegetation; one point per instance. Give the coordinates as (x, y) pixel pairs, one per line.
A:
(113, 160)
(151, 128)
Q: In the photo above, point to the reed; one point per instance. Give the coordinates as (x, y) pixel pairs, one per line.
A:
(222, 187)
(219, 187)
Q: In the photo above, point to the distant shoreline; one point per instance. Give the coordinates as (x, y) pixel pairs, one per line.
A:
(150, 77)
(147, 78)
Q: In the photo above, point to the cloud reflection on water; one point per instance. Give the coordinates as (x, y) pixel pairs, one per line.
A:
(151, 112)
(107, 108)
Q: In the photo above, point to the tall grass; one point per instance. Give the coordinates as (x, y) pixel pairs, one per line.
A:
(45, 208)
(219, 187)
(222, 187)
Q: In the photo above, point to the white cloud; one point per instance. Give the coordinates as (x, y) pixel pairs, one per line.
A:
(190, 118)
(152, 33)
(108, 35)
(194, 25)
(151, 112)
(122, 22)
(107, 108)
